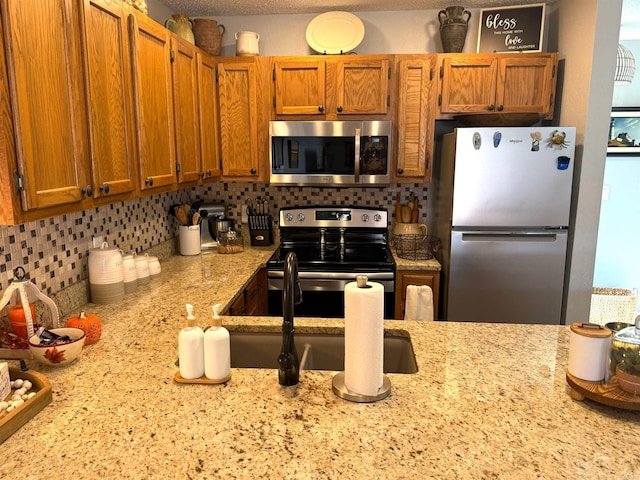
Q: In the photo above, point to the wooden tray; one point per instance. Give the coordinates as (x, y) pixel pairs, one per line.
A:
(203, 380)
(606, 393)
(11, 422)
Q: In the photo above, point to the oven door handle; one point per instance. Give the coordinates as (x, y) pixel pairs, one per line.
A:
(334, 275)
(356, 170)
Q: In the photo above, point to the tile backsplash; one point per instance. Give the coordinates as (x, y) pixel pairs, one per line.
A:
(54, 251)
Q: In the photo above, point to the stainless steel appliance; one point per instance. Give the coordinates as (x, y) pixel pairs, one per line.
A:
(330, 152)
(502, 199)
(332, 245)
(211, 214)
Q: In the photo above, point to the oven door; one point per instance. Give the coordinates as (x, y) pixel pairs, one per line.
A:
(323, 293)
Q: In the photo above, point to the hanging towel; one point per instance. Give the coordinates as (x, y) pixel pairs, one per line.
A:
(419, 303)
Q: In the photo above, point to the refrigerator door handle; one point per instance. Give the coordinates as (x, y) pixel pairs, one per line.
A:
(508, 236)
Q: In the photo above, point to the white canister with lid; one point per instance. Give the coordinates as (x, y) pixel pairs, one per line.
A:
(589, 348)
(154, 267)
(247, 43)
(129, 273)
(106, 281)
(142, 269)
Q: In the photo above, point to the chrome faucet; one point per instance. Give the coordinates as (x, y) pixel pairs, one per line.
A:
(288, 362)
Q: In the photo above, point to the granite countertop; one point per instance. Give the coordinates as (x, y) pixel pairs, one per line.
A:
(489, 401)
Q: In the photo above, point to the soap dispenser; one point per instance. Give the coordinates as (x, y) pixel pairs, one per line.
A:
(191, 348)
(217, 350)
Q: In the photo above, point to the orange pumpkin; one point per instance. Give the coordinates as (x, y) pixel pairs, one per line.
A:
(88, 322)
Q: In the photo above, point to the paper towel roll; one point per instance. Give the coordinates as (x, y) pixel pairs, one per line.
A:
(363, 337)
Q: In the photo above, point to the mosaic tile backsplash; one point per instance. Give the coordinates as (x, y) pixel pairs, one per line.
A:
(54, 251)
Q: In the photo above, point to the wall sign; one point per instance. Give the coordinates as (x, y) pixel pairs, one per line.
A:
(511, 29)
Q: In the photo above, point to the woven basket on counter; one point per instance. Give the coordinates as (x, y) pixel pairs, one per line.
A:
(208, 35)
(613, 305)
(415, 247)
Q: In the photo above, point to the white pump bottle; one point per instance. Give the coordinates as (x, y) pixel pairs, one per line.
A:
(191, 348)
(217, 351)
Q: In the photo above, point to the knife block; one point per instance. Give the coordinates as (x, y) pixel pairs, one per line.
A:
(261, 230)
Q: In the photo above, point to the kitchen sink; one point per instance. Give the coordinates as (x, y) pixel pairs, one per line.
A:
(323, 351)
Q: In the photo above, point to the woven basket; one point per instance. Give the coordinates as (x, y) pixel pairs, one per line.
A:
(208, 35)
(613, 305)
(416, 247)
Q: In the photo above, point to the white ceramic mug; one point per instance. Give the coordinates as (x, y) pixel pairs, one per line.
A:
(247, 43)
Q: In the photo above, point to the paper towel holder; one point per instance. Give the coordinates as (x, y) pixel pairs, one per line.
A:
(341, 390)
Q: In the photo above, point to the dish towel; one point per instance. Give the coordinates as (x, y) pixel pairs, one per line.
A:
(419, 303)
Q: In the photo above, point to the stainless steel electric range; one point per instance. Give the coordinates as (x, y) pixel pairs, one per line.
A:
(333, 245)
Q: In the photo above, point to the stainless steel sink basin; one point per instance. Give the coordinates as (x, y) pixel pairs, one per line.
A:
(325, 351)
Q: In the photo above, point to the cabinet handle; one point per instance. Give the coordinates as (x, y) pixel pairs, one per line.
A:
(201, 175)
(149, 181)
(500, 108)
(87, 191)
(400, 171)
(104, 188)
(491, 107)
(253, 171)
(339, 108)
(209, 173)
(321, 108)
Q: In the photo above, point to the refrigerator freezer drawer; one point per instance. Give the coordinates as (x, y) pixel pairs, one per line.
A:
(507, 277)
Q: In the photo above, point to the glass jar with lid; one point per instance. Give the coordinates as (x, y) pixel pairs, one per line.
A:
(230, 241)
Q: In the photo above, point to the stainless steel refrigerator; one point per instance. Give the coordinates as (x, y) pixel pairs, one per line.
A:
(501, 200)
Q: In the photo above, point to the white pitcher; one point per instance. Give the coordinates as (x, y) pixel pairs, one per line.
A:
(247, 43)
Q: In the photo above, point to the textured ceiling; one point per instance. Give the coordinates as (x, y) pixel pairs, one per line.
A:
(210, 8)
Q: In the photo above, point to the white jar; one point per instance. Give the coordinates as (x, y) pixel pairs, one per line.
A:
(247, 43)
(142, 269)
(129, 273)
(589, 350)
(154, 267)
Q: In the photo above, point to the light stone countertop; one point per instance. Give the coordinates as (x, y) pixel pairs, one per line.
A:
(489, 401)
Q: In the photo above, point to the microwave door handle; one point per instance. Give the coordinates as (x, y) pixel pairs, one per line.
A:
(356, 170)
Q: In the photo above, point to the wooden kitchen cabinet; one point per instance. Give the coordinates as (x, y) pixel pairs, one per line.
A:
(184, 73)
(45, 144)
(253, 299)
(244, 118)
(109, 98)
(208, 119)
(404, 278)
(331, 87)
(153, 104)
(415, 118)
(506, 83)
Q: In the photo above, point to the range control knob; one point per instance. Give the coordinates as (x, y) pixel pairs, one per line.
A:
(377, 217)
(288, 217)
(301, 217)
(365, 217)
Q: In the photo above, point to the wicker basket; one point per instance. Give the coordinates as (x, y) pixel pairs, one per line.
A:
(613, 305)
(416, 247)
(208, 35)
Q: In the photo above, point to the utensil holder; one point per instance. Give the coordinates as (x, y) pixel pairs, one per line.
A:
(261, 230)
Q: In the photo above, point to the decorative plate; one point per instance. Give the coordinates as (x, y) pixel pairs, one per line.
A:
(333, 33)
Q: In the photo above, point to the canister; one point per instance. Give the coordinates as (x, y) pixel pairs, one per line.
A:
(589, 346)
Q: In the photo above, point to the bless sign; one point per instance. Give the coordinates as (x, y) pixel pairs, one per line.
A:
(511, 29)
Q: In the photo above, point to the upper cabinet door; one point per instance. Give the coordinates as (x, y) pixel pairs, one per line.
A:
(185, 104)
(362, 86)
(299, 87)
(468, 83)
(237, 91)
(526, 83)
(47, 98)
(153, 102)
(109, 101)
(208, 118)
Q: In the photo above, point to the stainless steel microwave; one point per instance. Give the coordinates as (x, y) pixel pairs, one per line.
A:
(338, 153)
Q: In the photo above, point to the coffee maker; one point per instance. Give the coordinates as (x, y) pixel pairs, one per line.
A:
(211, 214)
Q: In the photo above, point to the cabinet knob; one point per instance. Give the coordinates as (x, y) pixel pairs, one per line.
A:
(87, 191)
(321, 108)
(149, 181)
(500, 108)
(209, 173)
(339, 108)
(253, 171)
(201, 175)
(491, 107)
(400, 171)
(104, 188)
